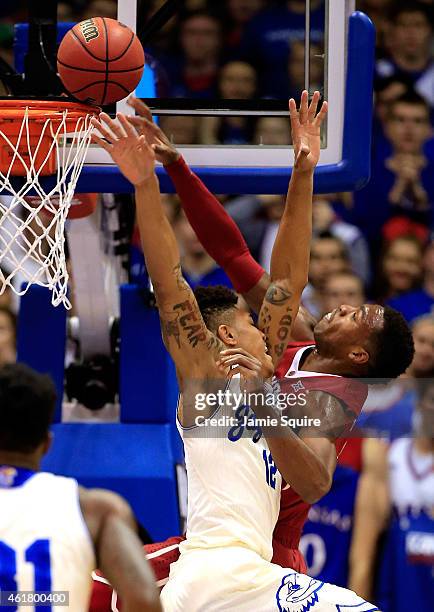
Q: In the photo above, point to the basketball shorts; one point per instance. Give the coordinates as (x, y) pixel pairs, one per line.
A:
(234, 579)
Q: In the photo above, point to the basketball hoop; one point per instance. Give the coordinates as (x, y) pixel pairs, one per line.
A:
(39, 138)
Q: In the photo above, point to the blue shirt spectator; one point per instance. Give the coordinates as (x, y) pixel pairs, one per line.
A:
(268, 37)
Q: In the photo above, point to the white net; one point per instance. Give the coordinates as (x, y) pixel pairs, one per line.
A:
(32, 214)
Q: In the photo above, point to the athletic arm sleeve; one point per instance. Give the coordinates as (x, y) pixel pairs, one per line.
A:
(217, 232)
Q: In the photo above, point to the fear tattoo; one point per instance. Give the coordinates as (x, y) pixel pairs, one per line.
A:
(191, 322)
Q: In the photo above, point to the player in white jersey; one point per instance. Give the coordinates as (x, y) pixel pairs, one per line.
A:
(53, 533)
(396, 495)
(234, 484)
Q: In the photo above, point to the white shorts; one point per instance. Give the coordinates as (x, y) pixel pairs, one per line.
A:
(235, 579)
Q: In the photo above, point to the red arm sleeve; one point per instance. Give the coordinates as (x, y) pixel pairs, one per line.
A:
(217, 232)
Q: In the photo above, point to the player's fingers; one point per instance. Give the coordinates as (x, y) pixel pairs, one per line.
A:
(293, 114)
(304, 107)
(111, 126)
(140, 107)
(102, 130)
(126, 125)
(235, 351)
(138, 122)
(313, 107)
(101, 142)
(240, 360)
(322, 114)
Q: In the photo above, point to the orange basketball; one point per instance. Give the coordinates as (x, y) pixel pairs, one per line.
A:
(100, 61)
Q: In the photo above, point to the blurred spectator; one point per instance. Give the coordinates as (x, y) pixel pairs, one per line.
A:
(409, 46)
(68, 13)
(326, 220)
(328, 256)
(396, 496)
(400, 268)
(239, 13)
(193, 70)
(342, 288)
(420, 301)
(181, 129)
(378, 12)
(296, 69)
(101, 8)
(423, 336)
(163, 40)
(198, 267)
(268, 37)
(236, 81)
(387, 90)
(258, 219)
(8, 334)
(272, 131)
(403, 184)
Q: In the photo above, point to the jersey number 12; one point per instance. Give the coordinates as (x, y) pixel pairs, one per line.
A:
(270, 469)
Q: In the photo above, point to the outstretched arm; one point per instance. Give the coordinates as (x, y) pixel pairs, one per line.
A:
(192, 346)
(290, 256)
(214, 227)
(119, 551)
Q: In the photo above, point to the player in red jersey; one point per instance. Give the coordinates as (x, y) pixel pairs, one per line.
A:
(224, 242)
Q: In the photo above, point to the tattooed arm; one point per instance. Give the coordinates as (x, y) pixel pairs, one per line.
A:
(192, 346)
(290, 257)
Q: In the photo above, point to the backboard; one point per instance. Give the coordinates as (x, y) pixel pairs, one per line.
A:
(323, 44)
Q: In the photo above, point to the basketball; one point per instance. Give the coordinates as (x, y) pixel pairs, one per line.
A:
(100, 60)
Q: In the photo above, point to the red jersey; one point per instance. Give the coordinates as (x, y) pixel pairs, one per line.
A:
(293, 510)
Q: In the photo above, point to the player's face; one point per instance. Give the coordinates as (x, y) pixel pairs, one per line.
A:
(252, 340)
(348, 326)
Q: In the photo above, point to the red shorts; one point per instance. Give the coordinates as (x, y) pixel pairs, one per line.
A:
(161, 556)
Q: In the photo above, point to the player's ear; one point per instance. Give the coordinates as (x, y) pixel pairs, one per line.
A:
(47, 443)
(358, 355)
(226, 334)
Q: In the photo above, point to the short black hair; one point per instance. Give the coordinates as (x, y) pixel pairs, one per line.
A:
(409, 6)
(394, 348)
(412, 98)
(27, 402)
(215, 303)
(382, 83)
(327, 235)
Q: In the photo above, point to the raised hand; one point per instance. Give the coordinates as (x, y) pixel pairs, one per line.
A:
(306, 131)
(165, 152)
(130, 151)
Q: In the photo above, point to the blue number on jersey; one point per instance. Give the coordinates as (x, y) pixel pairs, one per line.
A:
(38, 554)
(270, 469)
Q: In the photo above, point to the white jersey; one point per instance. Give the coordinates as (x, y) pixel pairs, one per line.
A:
(411, 477)
(233, 504)
(233, 485)
(44, 542)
